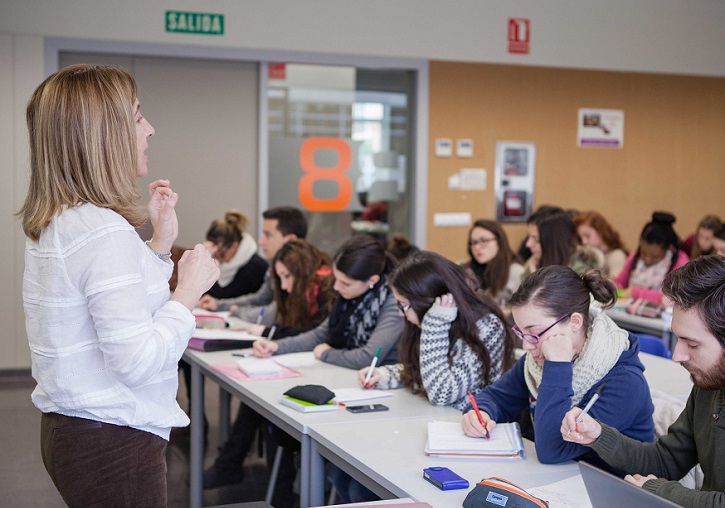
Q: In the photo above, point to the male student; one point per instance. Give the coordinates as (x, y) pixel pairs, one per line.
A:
(698, 436)
(279, 225)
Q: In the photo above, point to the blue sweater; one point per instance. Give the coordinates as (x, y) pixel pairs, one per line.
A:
(625, 404)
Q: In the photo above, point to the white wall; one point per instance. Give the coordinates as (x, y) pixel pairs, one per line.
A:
(664, 36)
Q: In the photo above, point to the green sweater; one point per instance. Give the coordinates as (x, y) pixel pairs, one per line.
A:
(698, 435)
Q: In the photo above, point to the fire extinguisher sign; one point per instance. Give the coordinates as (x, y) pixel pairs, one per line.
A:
(519, 35)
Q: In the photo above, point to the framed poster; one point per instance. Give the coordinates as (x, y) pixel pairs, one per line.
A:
(600, 128)
(514, 180)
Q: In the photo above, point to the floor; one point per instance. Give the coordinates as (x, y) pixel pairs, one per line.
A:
(24, 481)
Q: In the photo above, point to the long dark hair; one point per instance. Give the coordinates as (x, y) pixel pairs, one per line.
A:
(492, 276)
(558, 290)
(362, 256)
(558, 238)
(312, 294)
(711, 223)
(659, 231)
(422, 277)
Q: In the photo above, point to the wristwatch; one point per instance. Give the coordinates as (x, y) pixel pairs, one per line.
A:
(163, 257)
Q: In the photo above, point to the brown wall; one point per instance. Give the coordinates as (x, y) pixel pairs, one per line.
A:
(673, 157)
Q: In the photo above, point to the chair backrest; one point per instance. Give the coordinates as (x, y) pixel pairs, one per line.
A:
(654, 345)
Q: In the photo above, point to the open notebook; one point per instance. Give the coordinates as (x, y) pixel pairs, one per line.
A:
(446, 439)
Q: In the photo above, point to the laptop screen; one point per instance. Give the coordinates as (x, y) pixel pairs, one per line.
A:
(606, 490)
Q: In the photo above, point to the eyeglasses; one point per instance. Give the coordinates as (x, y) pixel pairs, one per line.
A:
(402, 308)
(481, 241)
(535, 338)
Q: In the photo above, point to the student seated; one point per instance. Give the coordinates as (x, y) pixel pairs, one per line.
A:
(572, 349)
(658, 254)
(279, 225)
(553, 241)
(363, 318)
(303, 295)
(698, 435)
(700, 243)
(491, 261)
(594, 231)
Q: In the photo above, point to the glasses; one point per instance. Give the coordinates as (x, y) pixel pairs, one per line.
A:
(402, 308)
(535, 338)
(481, 241)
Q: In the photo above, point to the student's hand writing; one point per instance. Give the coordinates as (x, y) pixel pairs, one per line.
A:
(445, 300)
(208, 303)
(473, 428)
(162, 214)
(255, 329)
(638, 479)
(374, 377)
(319, 349)
(585, 432)
(197, 273)
(264, 348)
(557, 348)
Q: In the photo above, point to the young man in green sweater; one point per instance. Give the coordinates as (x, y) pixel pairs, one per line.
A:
(698, 435)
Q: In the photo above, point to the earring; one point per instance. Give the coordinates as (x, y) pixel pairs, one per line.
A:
(372, 286)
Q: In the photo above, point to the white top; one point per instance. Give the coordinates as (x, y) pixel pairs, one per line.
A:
(104, 337)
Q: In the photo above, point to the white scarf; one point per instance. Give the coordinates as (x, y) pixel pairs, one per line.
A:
(247, 248)
(603, 346)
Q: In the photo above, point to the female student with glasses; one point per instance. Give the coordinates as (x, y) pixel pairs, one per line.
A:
(572, 348)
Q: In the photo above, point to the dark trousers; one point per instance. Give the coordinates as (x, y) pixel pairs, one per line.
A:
(99, 464)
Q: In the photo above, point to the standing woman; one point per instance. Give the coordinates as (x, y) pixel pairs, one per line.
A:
(364, 316)
(572, 349)
(105, 337)
(242, 270)
(454, 339)
(594, 231)
(494, 265)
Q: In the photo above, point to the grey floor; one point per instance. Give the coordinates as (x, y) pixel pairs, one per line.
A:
(24, 481)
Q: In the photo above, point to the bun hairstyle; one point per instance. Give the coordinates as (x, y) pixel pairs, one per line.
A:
(228, 230)
(559, 291)
(659, 231)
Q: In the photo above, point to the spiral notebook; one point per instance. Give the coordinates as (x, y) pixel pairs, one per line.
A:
(446, 439)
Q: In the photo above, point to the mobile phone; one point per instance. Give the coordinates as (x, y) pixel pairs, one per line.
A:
(368, 408)
(444, 478)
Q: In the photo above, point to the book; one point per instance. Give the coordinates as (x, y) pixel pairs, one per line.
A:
(446, 439)
(346, 395)
(256, 367)
(220, 339)
(306, 407)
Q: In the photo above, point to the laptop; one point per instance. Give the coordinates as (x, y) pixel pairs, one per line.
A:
(606, 490)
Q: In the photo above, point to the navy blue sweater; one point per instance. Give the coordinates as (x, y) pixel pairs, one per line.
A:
(625, 404)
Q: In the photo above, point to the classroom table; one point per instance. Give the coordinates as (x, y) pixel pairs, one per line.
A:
(642, 324)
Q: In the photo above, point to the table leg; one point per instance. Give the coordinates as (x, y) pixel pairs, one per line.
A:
(225, 399)
(305, 471)
(317, 476)
(196, 466)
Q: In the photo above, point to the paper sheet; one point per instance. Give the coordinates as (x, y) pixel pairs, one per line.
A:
(354, 394)
(296, 360)
(569, 493)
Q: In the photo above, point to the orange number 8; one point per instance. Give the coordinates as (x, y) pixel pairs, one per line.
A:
(313, 173)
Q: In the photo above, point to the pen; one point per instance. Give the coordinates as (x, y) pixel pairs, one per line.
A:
(478, 413)
(271, 332)
(589, 405)
(243, 355)
(261, 315)
(372, 367)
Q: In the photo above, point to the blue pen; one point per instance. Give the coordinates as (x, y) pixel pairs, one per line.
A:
(261, 315)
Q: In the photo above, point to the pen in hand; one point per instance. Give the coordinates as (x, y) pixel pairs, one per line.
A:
(372, 368)
(271, 332)
(478, 413)
(589, 405)
(261, 316)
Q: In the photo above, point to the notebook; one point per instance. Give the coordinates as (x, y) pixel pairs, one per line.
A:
(446, 439)
(306, 407)
(218, 339)
(606, 490)
(346, 395)
(257, 367)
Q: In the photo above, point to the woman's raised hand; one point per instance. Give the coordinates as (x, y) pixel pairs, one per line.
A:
(197, 273)
(162, 214)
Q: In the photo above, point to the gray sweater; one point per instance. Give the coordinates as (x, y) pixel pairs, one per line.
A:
(249, 305)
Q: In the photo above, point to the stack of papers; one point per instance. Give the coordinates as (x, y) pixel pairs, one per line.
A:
(346, 395)
(446, 439)
(255, 367)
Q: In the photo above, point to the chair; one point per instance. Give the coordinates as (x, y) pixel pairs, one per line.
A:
(654, 345)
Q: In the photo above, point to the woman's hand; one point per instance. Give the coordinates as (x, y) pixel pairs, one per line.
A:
(558, 348)
(473, 428)
(638, 479)
(585, 432)
(255, 329)
(445, 300)
(208, 303)
(162, 214)
(319, 349)
(374, 377)
(197, 273)
(264, 348)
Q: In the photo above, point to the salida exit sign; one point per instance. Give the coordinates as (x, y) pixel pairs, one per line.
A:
(194, 23)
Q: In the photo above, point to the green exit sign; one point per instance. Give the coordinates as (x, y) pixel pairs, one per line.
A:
(194, 23)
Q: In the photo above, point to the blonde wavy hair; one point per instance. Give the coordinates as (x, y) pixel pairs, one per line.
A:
(82, 134)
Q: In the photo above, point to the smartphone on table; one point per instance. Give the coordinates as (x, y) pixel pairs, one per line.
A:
(367, 408)
(444, 478)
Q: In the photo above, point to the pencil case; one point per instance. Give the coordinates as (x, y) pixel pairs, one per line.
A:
(317, 394)
(496, 492)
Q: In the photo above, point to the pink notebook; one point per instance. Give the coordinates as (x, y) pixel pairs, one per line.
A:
(232, 370)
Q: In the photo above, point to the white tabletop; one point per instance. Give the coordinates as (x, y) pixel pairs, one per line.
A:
(666, 375)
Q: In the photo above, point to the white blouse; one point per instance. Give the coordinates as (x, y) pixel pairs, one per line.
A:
(104, 337)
